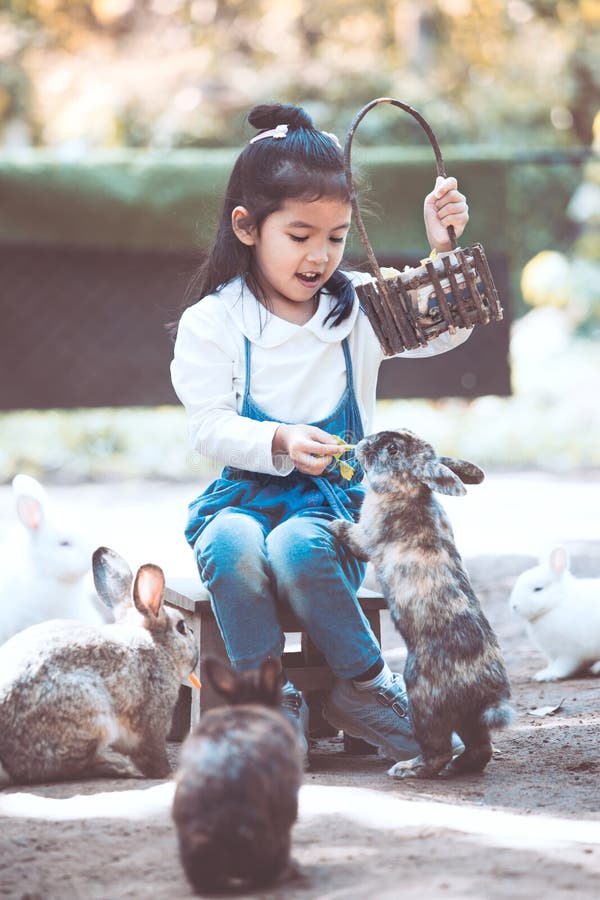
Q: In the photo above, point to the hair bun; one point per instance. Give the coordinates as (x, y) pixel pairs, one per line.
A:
(269, 116)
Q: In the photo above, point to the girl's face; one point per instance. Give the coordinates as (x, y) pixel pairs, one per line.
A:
(297, 250)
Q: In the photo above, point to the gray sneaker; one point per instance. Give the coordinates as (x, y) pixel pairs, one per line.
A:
(379, 716)
(295, 709)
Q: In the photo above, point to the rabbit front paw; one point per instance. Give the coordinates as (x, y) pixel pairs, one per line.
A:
(417, 767)
(339, 527)
(349, 534)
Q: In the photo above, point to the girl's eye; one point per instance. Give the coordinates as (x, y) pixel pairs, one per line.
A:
(337, 240)
(298, 239)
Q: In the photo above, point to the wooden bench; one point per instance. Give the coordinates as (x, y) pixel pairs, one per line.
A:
(305, 666)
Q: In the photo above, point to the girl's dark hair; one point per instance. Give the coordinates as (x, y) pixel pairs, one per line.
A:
(305, 165)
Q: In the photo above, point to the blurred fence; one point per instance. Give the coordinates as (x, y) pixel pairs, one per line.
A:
(95, 256)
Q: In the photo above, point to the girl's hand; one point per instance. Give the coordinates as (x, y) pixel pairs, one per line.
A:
(310, 449)
(444, 206)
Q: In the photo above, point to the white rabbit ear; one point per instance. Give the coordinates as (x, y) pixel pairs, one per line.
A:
(439, 477)
(222, 677)
(112, 577)
(148, 590)
(31, 501)
(30, 512)
(558, 561)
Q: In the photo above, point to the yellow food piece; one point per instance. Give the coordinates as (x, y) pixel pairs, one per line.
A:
(346, 470)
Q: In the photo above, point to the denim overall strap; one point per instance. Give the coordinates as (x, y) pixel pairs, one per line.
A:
(332, 491)
(350, 375)
(328, 489)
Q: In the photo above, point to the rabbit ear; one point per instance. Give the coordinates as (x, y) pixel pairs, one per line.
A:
(112, 577)
(439, 477)
(270, 676)
(558, 561)
(468, 472)
(31, 501)
(148, 590)
(222, 677)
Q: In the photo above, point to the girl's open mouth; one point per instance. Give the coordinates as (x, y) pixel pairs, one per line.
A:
(308, 279)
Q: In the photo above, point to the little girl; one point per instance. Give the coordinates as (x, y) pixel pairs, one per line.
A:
(273, 361)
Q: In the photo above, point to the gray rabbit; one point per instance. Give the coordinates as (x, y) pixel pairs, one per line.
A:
(455, 675)
(237, 783)
(81, 700)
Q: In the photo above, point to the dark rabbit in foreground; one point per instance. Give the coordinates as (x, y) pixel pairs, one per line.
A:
(237, 784)
(454, 672)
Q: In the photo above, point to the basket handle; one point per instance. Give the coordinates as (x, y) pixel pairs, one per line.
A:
(441, 170)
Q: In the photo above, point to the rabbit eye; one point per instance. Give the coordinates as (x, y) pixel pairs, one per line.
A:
(180, 626)
(538, 588)
(66, 544)
(392, 449)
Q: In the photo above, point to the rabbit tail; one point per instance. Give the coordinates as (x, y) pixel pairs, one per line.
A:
(500, 715)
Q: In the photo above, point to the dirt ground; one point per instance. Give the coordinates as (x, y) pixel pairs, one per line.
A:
(527, 827)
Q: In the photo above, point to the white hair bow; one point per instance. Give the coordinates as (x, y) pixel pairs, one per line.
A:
(279, 131)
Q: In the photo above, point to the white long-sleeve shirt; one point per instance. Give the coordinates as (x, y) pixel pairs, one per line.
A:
(298, 372)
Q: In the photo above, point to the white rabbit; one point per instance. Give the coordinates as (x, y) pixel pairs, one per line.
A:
(45, 577)
(562, 614)
(80, 700)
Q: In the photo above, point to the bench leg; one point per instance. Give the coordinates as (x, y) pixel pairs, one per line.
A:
(318, 726)
(211, 644)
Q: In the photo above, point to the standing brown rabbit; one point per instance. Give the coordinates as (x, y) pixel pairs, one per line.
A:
(237, 783)
(454, 672)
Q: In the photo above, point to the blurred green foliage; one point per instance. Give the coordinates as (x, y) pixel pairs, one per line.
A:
(178, 73)
(510, 75)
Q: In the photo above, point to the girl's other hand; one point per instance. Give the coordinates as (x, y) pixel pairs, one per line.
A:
(444, 206)
(311, 449)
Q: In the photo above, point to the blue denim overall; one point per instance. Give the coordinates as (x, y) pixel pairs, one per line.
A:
(261, 541)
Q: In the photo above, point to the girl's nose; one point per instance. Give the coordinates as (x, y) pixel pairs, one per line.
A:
(317, 255)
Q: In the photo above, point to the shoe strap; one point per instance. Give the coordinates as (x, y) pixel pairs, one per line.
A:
(292, 701)
(389, 697)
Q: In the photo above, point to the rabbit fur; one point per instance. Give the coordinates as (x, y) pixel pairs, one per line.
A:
(454, 673)
(90, 700)
(236, 797)
(562, 615)
(47, 577)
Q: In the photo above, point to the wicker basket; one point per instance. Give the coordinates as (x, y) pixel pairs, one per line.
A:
(450, 290)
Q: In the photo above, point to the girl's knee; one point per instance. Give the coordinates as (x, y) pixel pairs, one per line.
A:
(299, 540)
(231, 546)
(301, 550)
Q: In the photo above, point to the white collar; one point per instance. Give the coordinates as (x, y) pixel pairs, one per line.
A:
(267, 330)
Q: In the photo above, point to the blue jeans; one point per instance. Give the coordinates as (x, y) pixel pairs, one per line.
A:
(251, 572)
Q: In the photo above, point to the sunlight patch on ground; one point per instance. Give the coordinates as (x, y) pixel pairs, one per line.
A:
(373, 809)
(366, 807)
(134, 804)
